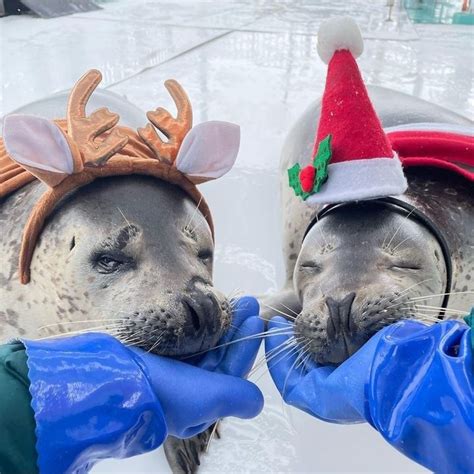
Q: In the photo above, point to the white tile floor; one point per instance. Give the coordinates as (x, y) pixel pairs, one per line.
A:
(254, 63)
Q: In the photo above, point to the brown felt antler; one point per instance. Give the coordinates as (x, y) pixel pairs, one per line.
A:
(174, 129)
(84, 130)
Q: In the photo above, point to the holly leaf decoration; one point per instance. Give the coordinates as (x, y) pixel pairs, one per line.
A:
(320, 164)
(294, 179)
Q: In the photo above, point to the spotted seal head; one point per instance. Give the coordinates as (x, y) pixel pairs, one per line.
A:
(360, 266)
(130, 253)
(142, 272)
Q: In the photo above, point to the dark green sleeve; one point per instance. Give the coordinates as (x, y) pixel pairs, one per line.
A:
(17, 423)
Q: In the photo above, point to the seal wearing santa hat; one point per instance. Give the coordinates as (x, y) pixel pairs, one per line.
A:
(377, 196)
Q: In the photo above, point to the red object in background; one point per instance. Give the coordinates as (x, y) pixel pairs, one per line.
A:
(446, 150)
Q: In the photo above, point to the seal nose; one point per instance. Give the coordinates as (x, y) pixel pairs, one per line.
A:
(202, 311)
(340, 320)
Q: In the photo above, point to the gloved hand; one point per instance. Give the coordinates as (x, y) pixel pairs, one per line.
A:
(413, 383)
(195, 396)
(235, 353)
(329, 393)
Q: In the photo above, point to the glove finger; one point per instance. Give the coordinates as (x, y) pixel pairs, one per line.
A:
(282, 355)
(221, 397)
(241, 354)
(244, 308)
(232, 396)
(195, 430)
(192, 398)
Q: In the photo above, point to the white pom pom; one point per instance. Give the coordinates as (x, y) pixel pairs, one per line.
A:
(339, 33)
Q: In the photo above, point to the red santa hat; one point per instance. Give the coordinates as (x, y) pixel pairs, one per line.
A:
(352, 157)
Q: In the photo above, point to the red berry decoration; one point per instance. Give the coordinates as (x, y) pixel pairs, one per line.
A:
(307, 178)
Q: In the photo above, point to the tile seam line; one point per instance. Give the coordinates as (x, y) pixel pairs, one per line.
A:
(171, 58)
(369, 37)
(182, 53)
(83, 16)
(218, 37)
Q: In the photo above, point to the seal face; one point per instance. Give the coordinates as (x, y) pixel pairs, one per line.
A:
(131, 253)
(107, 262)
(352, 275)
(365, 265)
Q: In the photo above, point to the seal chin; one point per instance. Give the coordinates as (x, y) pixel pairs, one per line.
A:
(340, 327)
(329, 347)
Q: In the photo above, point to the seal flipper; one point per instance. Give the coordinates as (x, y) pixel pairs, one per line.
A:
(183, 455)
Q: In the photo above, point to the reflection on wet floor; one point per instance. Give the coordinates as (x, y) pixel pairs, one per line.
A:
(439, 11)
(253, 63)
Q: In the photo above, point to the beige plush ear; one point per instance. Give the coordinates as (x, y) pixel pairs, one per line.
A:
(208, 151)
(41, 147)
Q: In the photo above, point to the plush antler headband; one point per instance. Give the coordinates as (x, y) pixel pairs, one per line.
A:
(66, 155)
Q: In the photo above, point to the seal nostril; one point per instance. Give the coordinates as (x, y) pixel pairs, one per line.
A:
(195, 320)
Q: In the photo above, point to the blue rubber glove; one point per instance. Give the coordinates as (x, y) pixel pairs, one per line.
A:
(194, 397)
(235, 353)
(94, 398)
(412, 383)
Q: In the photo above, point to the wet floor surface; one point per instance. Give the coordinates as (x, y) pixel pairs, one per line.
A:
(253, 63)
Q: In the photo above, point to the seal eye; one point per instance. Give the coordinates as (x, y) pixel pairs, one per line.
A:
(405, 266)
(107, 264)
(205, 255)
(312, 266)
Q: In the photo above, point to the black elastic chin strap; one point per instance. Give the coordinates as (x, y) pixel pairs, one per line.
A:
(412, 213)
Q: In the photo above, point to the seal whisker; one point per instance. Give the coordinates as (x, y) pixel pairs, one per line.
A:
(320, 230)
(396, 232)
(288, 349)
(155, 345)
(405, 291)
(280, 331)
(199, 223)
(77, 322)
(418, 314)
(112, 310)
(400, 243)
(78, 331)
(132, 339)
(300, 356)
(193, 214)
(271, 354)
(289, 309)
(212, 435)
(438, 309)
(468, 292)
(124, 218)
(284, 352)
(279, 311)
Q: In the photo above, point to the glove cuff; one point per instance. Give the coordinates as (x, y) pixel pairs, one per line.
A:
(92, 400)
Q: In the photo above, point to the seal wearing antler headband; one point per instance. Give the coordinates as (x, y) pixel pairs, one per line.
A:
(112, 228)
(71, 154)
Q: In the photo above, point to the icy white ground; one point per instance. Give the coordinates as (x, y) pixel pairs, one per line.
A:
(254, 63)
